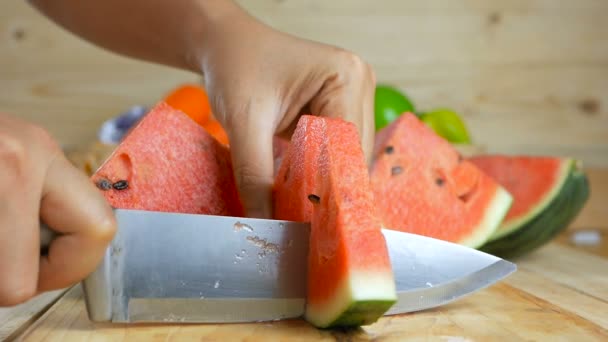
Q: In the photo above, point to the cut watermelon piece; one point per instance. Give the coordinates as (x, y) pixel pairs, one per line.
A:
(532, 181)
(423, 186)
(169, 163)
(323, 179)
(548, 193)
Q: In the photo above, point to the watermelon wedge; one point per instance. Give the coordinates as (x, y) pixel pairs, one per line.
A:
(423, 186)
(323, 179)
(548, 193)
(167, 162)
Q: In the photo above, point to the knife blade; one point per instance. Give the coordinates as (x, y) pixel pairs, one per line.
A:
(172, 267)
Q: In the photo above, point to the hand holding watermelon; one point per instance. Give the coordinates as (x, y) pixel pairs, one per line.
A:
(304, 78)
(259, 80)
(36, 181)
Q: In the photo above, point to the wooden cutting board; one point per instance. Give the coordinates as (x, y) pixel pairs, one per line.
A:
(558, 293)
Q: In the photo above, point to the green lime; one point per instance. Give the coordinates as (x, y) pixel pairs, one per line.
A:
(389, 104)
(447, 124)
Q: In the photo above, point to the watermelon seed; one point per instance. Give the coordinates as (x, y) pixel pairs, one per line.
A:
(121, 185)
(314, 199)
(395, 170)
(439, 181)
(104, 184)
(389, 149)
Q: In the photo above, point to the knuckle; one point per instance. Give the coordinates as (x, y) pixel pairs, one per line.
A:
(353, 62)
(15, 292)
(42, 137)
(12, 150)
(15, 147)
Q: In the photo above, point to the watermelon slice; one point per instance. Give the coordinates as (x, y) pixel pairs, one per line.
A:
(548, 193)
(323, 179)
(423, 186)
(167, 162)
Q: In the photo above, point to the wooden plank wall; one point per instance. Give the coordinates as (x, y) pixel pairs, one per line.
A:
(529, 76)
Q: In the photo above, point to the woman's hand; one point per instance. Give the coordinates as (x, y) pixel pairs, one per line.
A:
(38, 183)
(260, 81)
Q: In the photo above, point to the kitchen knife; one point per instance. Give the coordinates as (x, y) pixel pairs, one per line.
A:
(170, 267)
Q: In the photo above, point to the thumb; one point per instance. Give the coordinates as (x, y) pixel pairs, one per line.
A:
(252, 157)
(73, 206)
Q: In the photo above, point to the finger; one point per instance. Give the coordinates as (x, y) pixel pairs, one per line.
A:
(349, 95)
(252, 156)
(19, 242)
(73, 206)
(367, 111)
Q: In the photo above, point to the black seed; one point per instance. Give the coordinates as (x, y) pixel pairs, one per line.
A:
(120, 185)
(389, 149)
(439, 181)
(104, 184)
(460, 158)
(314, 199)
(395, 170)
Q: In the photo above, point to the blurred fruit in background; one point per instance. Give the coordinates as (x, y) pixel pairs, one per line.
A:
(448, 124)
(390, 103)
(192, 99)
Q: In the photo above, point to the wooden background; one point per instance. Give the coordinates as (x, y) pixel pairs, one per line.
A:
(529, 76)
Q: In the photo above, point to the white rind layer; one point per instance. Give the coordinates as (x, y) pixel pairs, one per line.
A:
(360, 286)
(495, 213)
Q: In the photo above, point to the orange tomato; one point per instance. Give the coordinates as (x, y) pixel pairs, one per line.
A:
(191, 99)
(216, 130)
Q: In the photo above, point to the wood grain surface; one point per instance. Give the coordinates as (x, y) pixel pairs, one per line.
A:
(14, 319)
(528, 76)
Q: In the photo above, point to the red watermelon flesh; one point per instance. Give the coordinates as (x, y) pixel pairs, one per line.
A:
(169, 163)
(293, 181)
(423, 186)
(323, 179)
(532, 180)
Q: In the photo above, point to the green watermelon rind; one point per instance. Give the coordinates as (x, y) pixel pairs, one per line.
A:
(363, 299)
(362, 313)
(512, 225)
(556, 217)
(494, 215)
